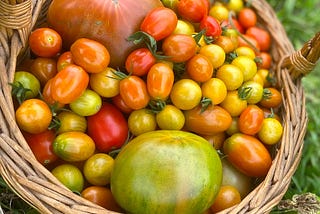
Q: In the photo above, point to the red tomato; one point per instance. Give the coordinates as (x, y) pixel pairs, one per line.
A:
(159, 22)
(41, 146)
(250, 120)
(249, 41)
(262, 36)
(45, 42)
(179, 47)
(91, 55)
(247, 17)
(119, 102)
(266, 60)
(247, 154)
(192, 10)
(64, 60)
(69, 84)
(108, 128)
(139, 61)
(44, 69)
(211, 25)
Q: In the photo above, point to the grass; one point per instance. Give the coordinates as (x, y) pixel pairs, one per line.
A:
(301, 21)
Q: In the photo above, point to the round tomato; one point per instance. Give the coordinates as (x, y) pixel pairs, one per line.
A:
(45, 42)
(272, 98)
(159, 22)
(87, 104)
(105, 83)
(139, 61)
(184, 27)
(271, 131)
(261, 35)
(64, 60)
(247, 17)
(251, 91)
(97, 169)
(266, 60)
(231, 75)
(70, 121)
(266, 76)
(108, 128)
(199, 68)
(25, 85)
(250, 42)
(91, 55)
(228, 196)
(170, 118)
(192, 10)
(33, 116)
(233, 103)
(211, 26)
(215, 53)
(235, 5)
(245, 51)
(44, 69)
(250, 120)
(247, 154)
(226, 43)
(185, 94)
(246, 65)
(219, 11)
(69, 84)
(215, 90)
(141, 121)
(41, 146)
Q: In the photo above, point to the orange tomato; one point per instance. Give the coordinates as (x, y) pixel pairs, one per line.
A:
(199, 68)
(228, 196)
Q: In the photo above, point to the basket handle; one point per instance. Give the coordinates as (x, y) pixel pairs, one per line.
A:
(303, 61)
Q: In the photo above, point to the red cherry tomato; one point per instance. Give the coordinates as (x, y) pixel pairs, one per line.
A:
(192, 10)
(211, 25)
(139, 61)
(262, 36)
(247, 17)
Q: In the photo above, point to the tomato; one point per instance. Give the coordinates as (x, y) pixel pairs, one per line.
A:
(69, 84)
(172, 4)
(226, 43)
(247, 17)
(122, 106)
(251, 91)
(33, 116)
(141, 121)
(216, 140)
(159, 23)
(199, 68)
(160, 81)
(272, 98)
(271, 131)
(231, 75)
(219, 11)
(232, 24)
(170, 118)
(266, 76)
(215, 53)
(70, 176)
(247, 154)
(101, 196)
(73, 146)
(146, 180)
(41, 146)
(97, 169)
(139, 61)
(29, 82)
(108, 128)
(45, 42)
(64, 60)
(70, 121)
(215, 90)
(211, 26)
(270, 113)
(261, 35)
(227, 197)
(233, 103)
(184, 27)
(250, 120)
(245, 51)
(246, 65)
(192, 10)
(234, 127)
(91, 55)
(185, 94)
(44, 69)
(213, 119)
(179, 47)
(266, 60)
(134, 92)
(235, 5)
(47, 95)
(250, 42)
(257, 78)
(87, 104)
(64, 17)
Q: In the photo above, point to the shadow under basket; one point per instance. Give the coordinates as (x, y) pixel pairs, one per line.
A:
(39, 188)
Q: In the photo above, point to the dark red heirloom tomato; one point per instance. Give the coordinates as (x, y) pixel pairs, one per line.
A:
(108, 128)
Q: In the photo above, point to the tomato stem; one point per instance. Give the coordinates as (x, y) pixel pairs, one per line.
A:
(205, 102)
(244, 92)
(19, 91)
(156, 105)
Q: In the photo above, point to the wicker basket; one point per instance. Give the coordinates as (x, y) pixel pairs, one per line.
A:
(38, 187)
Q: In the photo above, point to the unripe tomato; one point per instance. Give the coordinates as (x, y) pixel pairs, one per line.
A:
(29, 81)
(70, 121)
(87, 104)
(141, 121)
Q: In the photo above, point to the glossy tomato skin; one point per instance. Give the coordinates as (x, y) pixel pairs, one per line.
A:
(159, 22)
(29, 81)
(105, 83)
(211, 26)
(199, 68)
(119, 102)
(141, 121)
(41, 146)
(64, 59)
(108, 128)
(139, 61)
(247, 154)
(69, 84)
(247, 17)
(44, 69)
(250, 120)
(70, 121)
(227, 197)
(192, 10)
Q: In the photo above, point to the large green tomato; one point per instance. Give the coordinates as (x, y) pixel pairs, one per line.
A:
(166, 172)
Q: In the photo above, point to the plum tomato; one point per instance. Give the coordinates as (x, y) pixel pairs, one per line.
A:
(192, 10)
(70, 121)
(64, 60)
(87, 104)
(44, 69)
(250, 120)
(211, 26)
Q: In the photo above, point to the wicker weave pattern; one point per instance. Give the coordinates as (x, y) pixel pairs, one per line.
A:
(37, 186)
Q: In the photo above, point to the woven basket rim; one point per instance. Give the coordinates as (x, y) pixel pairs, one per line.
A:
(38, 187)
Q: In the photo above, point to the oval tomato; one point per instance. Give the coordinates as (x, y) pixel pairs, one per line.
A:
(228, 196)
(105, 83)
(108, 128)
(199, 68)
(119, 102)
(87, 104)
(211, 26)
(272, 98)
(70, 121)
(250, 120)
(247, 154)
(44, 69)
(216, 140)
(262, 36)
(47, 95)
(140, 173)
(139, 61)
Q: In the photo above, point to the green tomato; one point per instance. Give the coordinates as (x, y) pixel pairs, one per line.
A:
(87, 104)
(170, 118)
(141, 121)
(30, 84)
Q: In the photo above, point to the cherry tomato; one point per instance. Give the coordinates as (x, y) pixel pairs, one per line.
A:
(28, 82)
(266, 76)
(234, 126)
(64, 60)
(44, 69)
(179, 47)
(251, 91)
(250, 120)
(247, 17)
(184, 27)
(141, 121)
(262, 36)
(226, 43)
(270, 113)
(108, 128)
(87, 104)
(47, 95)
(105, 83)
(119, 102)
(235, 5)
(215, 90)
(185, 94)
(45, 42)
(247, 154)
(172, 4)
(159, 23)
(33, 116)
(70, 121)
(266, 60)
(215, 53)
(139, 61)
(271, 98)
(271, 131)
(233, 103)
(231, 75)
(228, 196)
(233, 24)
(211, 26)
(249, 41)
(245, 51)
(213, 119)
(199, 68)
(246, 65)
(160, 81)
(97, 169)
(219, 11)
(41, 146)
(257, 78)
(69, 84)
(170, 118)
(192, 10)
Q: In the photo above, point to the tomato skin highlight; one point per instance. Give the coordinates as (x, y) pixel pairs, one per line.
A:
(211, 26)
(250, 120)
(139, 61)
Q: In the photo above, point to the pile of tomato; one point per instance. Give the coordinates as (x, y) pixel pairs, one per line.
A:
(198, 67)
